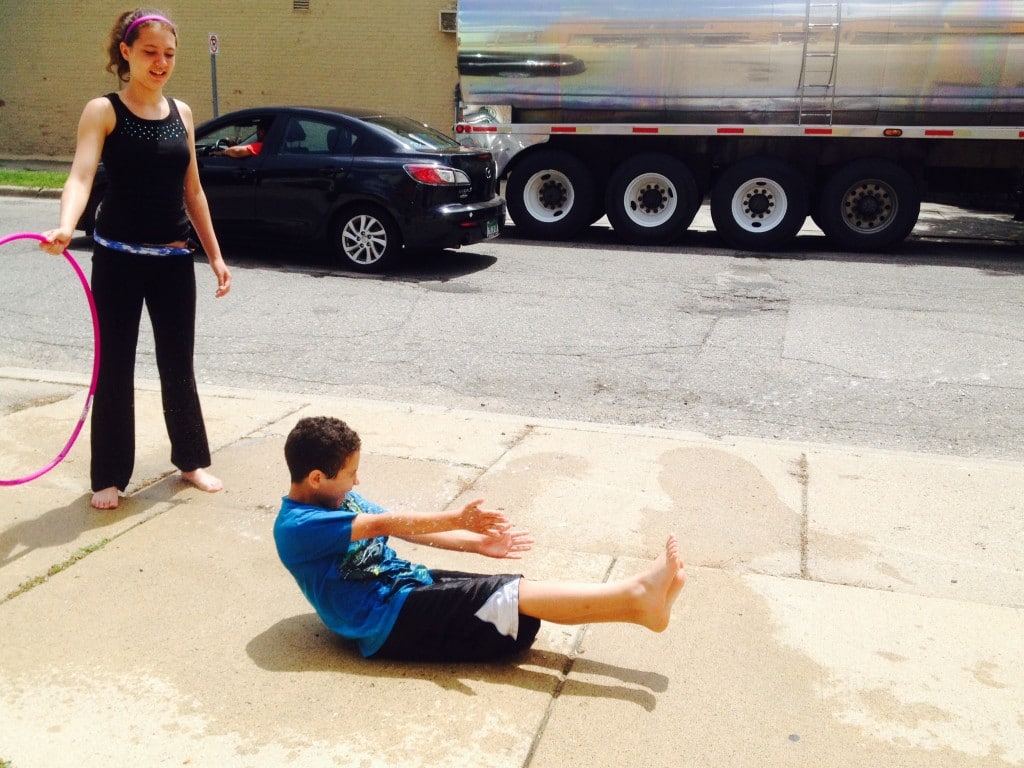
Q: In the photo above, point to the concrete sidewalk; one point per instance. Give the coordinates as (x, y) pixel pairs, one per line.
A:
(844, 607)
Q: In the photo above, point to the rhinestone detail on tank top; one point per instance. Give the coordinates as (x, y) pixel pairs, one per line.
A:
(153, 129)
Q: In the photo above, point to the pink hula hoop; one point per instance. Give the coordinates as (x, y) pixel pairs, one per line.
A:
(95, 362)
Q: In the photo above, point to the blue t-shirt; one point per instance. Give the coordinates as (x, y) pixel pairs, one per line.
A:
(356, 587)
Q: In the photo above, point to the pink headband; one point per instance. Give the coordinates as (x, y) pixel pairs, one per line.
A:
(144, 20)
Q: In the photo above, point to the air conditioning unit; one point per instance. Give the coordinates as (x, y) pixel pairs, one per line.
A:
(448, 21)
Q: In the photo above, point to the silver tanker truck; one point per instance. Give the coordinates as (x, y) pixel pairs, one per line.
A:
(850, 112)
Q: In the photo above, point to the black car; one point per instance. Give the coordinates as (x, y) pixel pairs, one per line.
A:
(365, 183)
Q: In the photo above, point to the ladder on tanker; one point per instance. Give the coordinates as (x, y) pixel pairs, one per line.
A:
(818, 67)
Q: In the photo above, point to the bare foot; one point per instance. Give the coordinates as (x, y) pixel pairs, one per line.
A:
(203, 480)
(107, 498)
(662, 583)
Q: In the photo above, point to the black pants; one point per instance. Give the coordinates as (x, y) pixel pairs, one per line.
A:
(438, 622)
(121, 284)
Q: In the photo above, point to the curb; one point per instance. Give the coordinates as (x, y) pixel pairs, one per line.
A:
(40, 192)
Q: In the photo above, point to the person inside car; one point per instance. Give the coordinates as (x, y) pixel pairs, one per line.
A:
(252, 148)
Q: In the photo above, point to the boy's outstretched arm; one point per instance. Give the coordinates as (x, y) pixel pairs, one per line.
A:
(510, 545)
(408, 525)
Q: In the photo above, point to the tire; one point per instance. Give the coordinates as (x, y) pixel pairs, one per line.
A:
(366, 239)
(869, 205)
(759, 204)
(651, 199)
(551, 195)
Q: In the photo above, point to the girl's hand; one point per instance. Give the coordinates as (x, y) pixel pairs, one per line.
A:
(220, 269)
(509, 546)
(57, 241)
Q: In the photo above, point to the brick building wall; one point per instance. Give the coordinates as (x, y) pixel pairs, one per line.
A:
(388, 56)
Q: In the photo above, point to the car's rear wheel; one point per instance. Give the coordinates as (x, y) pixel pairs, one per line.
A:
(366, 239)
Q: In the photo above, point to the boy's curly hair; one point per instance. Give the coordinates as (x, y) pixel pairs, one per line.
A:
(319, 442)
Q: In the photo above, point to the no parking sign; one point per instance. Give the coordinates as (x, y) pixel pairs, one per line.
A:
(214, 50)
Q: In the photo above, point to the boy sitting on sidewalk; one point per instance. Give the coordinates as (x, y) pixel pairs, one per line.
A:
(335, 543)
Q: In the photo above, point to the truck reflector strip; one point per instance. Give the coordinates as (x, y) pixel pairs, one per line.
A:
(673, 129)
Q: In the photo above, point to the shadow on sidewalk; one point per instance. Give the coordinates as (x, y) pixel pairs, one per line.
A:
(304, 644)
(64, 525)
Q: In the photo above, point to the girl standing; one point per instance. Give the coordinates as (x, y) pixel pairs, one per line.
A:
(147, 144)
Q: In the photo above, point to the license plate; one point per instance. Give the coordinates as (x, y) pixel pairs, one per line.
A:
(491, 228)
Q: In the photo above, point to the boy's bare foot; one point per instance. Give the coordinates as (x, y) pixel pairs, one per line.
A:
(108, 498)
(203, 480)
(661, 584)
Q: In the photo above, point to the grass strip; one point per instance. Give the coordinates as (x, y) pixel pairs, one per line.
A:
(25, 586)
(32, 180)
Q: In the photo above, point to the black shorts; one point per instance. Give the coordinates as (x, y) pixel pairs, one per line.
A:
(438, 622)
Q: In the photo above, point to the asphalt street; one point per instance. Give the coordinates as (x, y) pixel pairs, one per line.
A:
(917, 350)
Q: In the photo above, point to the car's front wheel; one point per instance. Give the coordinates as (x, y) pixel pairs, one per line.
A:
(366, 239)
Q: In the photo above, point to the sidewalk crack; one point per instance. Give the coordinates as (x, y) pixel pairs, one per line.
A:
(803, 476)
(563, 678)
(516, 441)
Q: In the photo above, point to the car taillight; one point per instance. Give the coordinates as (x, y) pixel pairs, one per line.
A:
(437, 175)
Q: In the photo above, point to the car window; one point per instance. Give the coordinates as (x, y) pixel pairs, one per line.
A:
(230, 135)
(306, 136)
(412, 134)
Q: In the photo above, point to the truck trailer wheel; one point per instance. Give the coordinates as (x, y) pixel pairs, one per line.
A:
(651, 199)
(869, 205)
(550, 195)
(759, 204)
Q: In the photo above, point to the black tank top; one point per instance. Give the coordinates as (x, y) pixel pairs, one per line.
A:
(145, 162)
